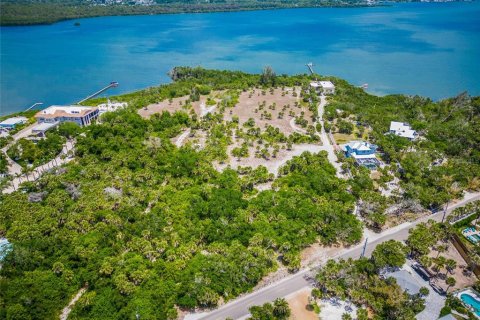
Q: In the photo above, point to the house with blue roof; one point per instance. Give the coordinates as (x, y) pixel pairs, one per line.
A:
(363, 153)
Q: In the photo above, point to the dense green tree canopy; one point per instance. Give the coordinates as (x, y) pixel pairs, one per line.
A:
(389, 254)
(148, 226)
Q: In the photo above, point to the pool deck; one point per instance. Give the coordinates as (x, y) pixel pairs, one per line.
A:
(471, 293)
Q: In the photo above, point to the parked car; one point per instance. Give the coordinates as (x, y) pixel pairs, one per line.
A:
(437, 289)
(421, 272)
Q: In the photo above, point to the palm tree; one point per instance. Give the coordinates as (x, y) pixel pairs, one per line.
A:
(439, 263)
(450, 282)
(441, 248)
(426, 261)
(281, 309)
(451, 265)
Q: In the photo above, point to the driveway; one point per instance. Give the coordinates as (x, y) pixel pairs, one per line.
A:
(433, 302)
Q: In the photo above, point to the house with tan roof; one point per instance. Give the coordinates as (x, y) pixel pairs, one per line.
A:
(81, 115)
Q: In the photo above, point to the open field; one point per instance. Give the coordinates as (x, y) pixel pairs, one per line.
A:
(270, 108)
(278, 108)
(342, 138)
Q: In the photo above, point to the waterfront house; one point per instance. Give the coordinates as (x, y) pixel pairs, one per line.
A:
(363, 153)
(325, 87)
(403, 129)
(328, 87)
(82, 116)
(11, 123)
(111, 106)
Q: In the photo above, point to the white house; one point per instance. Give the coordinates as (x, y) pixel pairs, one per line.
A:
(11, 123)
(325, 87)
(328, 87)
(4, 132)
(402, 129)
(111, 106)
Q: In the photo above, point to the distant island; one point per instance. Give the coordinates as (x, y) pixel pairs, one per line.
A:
(29, 12)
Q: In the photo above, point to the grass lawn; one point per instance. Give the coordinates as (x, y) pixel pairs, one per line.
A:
(342, 138)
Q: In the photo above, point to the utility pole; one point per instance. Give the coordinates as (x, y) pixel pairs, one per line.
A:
(364, 248)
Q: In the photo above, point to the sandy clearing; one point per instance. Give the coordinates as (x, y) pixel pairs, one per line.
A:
(463, 279)
(177, 104)
(316, 253)
(251, 100)
(332, 309)
(181, 138)
(295, 127)
(299, 305)
(273, 164)
(204, 110)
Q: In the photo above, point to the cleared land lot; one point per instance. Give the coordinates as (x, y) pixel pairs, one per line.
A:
(250, 106)
(278, 108)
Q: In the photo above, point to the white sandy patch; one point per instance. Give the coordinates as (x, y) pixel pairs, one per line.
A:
(204, 110)
(181, 138)
(66, 311)
(296, 128)
(332, 309)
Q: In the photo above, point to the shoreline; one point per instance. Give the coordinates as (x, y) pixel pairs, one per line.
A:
(194, 11)
(156, 10)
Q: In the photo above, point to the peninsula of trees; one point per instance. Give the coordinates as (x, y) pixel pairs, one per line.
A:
(25, 12)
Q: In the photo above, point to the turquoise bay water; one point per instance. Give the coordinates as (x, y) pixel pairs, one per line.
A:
(431, 49)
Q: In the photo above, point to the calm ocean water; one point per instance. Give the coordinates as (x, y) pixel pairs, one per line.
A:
(431, 49)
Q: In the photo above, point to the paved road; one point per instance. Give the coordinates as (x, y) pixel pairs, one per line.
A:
(327, 146)
(62, 158)
(13, 167)
(238, 308)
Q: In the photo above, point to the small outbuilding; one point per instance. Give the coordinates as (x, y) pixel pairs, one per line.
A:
(41, 128)
(328, 87)
(11, 123)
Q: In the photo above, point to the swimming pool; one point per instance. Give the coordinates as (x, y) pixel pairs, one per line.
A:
(471, 301)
